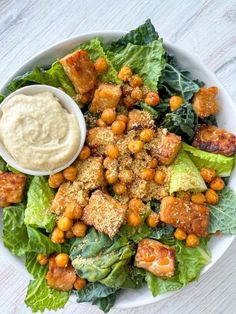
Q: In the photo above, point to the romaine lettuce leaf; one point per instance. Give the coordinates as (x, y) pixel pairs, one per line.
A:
(33, 266)
(222, 164)
(162, 230)
(185, 176)
(158, 285)
(1, 98)
(94, 291)
(135, 233)
(105, 304)
(3, 165)
(37, 212)
(223, 214)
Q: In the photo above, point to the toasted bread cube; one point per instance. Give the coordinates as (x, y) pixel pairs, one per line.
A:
(190, 217)
(106, 96)
(104, 213)
(205, 103)
(80, 70)
(100, 136)
(12, 187)
(139, 119)
(155, 257)
(215, 140)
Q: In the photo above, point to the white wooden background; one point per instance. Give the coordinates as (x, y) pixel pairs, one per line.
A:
(207, 28)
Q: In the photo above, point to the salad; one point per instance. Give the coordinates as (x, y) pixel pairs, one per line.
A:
(148, 190)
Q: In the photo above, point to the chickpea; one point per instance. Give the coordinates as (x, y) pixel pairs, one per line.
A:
(129, 101)
(153, 163)
(101, 123)
(118, 127)
(111, 177)
(136, 94)
(64, 223)
(108, 116)
(79, 283)
(122, 117)
(147, 174)
(126, 176)
(152, 220)
(211, 197)
(73, 211)
(217, 184)
(134, 219)
(79, 229)
(55, 180)
(208, 174)
(160, 176)
(57, 236)
(198, 198)
(62, 260)
(192, 240)
(125, 74)
(152, 99)
(135, 146)
(112, 151)
(146, 135)
(180, 234)
(184, 195)
(175, 102)
(42, 259)
(70, 173)
(101, 65)
(135, 204)
(135, 81)
(69, 234)
(4, 204)
(119, 188)
(85, 153)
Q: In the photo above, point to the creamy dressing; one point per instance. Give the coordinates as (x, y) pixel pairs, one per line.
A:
(38, 132)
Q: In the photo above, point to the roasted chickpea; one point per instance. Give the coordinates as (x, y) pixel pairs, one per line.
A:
(180, 234)
(42, 259)
(101, 65)
(108, 116)
(101, 123)
(192, 240)
(152, 220)
(184, 195)
(64, 223)
(85, 153)
(152, 99)
(153, 163)
(198, 198)
(73, 211)
(147, 174)
(129, 101)
(118, 127)
(135, 204)
(135, 146)
(57, 236)
(217, 184)
(111, 176)
(112, 151)
(208, 174)
(175, 102)
(79, 283)
(134, 219)
(122, 117)
(146, 135)
(211, 197)
(135, 81)
(136, 93)
(62, 260)
(160, 176)
(79, 229)
(70, 173)
(125, 74)
(126, 176)
(119, 188)
(55, 180)
(69, 234)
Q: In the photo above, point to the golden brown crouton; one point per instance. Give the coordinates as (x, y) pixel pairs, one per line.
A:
(155, 257)
(165, 146)
(205, 103)
(80, 70)
(104, 213)
(215, 140)
(190, 217)
(100, 136)
(106, 96)
(139, 119)
(11, 187)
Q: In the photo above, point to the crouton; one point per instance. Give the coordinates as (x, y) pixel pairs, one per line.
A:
(80, 70)
(215, 140)
(100, 136)
(205, 103)
(104, 213)
(106, 96)
(190, 217)
(12, 187)
(155, 257)
(139, 119)
(165, 146)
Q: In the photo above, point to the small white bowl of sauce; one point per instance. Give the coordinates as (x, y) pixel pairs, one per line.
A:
(42, 130)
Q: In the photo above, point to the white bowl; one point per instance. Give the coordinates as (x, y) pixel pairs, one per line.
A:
(218, 245)
(68, 103)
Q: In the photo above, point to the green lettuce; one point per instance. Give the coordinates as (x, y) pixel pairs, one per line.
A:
(158, 286)
(185, 176)
(37, 213)
(3, 165)
(222, 164)
(223, 214)
(1, 98)
(98, 258)
(135, 234)
(33, 266)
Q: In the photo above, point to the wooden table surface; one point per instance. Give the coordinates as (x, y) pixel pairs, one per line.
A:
(207, 28)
